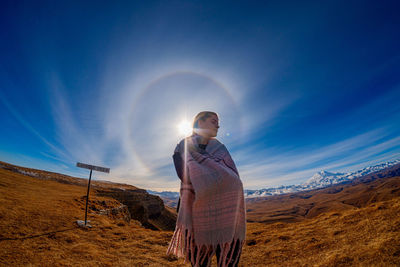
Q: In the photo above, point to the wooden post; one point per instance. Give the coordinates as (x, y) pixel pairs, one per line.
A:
(87, 196)
(91, 168)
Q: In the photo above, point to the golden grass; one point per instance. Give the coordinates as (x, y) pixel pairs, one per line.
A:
(37, 228)
(368, 236)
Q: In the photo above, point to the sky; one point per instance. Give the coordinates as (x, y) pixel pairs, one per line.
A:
(299, 86)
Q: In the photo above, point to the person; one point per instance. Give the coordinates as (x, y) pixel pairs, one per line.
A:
(211, 210)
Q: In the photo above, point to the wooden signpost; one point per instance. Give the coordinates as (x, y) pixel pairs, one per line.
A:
(91, 168)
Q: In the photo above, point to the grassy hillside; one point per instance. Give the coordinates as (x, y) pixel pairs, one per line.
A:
(368, 236)
(295, 207)
(37, 228)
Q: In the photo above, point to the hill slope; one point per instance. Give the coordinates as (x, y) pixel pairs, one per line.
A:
(368, 236)
(142, 206)
(37, 228)
(362, 191)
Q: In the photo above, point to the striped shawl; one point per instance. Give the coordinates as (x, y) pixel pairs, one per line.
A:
(212, 208)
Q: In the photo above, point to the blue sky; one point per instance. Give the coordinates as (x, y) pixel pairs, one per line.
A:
(299, 86)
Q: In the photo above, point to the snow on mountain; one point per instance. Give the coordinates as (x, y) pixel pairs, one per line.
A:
(164, 194)
(319, 180)
(325, 178)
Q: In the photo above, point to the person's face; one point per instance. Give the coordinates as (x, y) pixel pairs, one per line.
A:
(209, 127)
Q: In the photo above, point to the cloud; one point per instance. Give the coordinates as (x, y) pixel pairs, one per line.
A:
(135, 133)
(79, 143)
(297, 165)
(134, 129)
(29, 127)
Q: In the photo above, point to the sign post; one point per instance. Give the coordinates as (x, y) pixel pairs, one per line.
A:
(91, 168)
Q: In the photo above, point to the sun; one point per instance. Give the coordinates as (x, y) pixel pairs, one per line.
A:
(185, 128)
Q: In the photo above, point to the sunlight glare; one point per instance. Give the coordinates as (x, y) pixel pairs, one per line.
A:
(185, 128)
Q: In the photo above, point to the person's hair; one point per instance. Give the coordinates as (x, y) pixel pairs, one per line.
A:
(202, 116)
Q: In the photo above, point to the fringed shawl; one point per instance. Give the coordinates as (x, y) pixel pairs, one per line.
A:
(212, 208)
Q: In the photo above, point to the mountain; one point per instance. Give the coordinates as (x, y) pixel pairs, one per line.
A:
(164, 193)
(319, 180)
(170, 198)
(360, 192)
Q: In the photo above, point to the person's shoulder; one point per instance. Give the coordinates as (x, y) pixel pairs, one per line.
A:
(215, 141)
(181, 145)
(182, 141)
(178, 147)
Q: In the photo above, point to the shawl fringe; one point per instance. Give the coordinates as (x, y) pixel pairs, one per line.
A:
(183, 246)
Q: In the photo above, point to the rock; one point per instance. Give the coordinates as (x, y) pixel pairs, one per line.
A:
(148, 209)
(118, 212)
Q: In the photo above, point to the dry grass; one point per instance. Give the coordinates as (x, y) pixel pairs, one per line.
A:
(37, 228)
(367, 236)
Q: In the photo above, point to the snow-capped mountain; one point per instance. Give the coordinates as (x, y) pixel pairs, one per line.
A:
(325, 178)
(166, 194)
(319, 180)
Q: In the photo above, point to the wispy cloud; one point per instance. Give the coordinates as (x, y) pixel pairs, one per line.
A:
(300, 164)
(29, 127)
(116, 95)
(138, 123)
(141, 127)
(134, 132)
